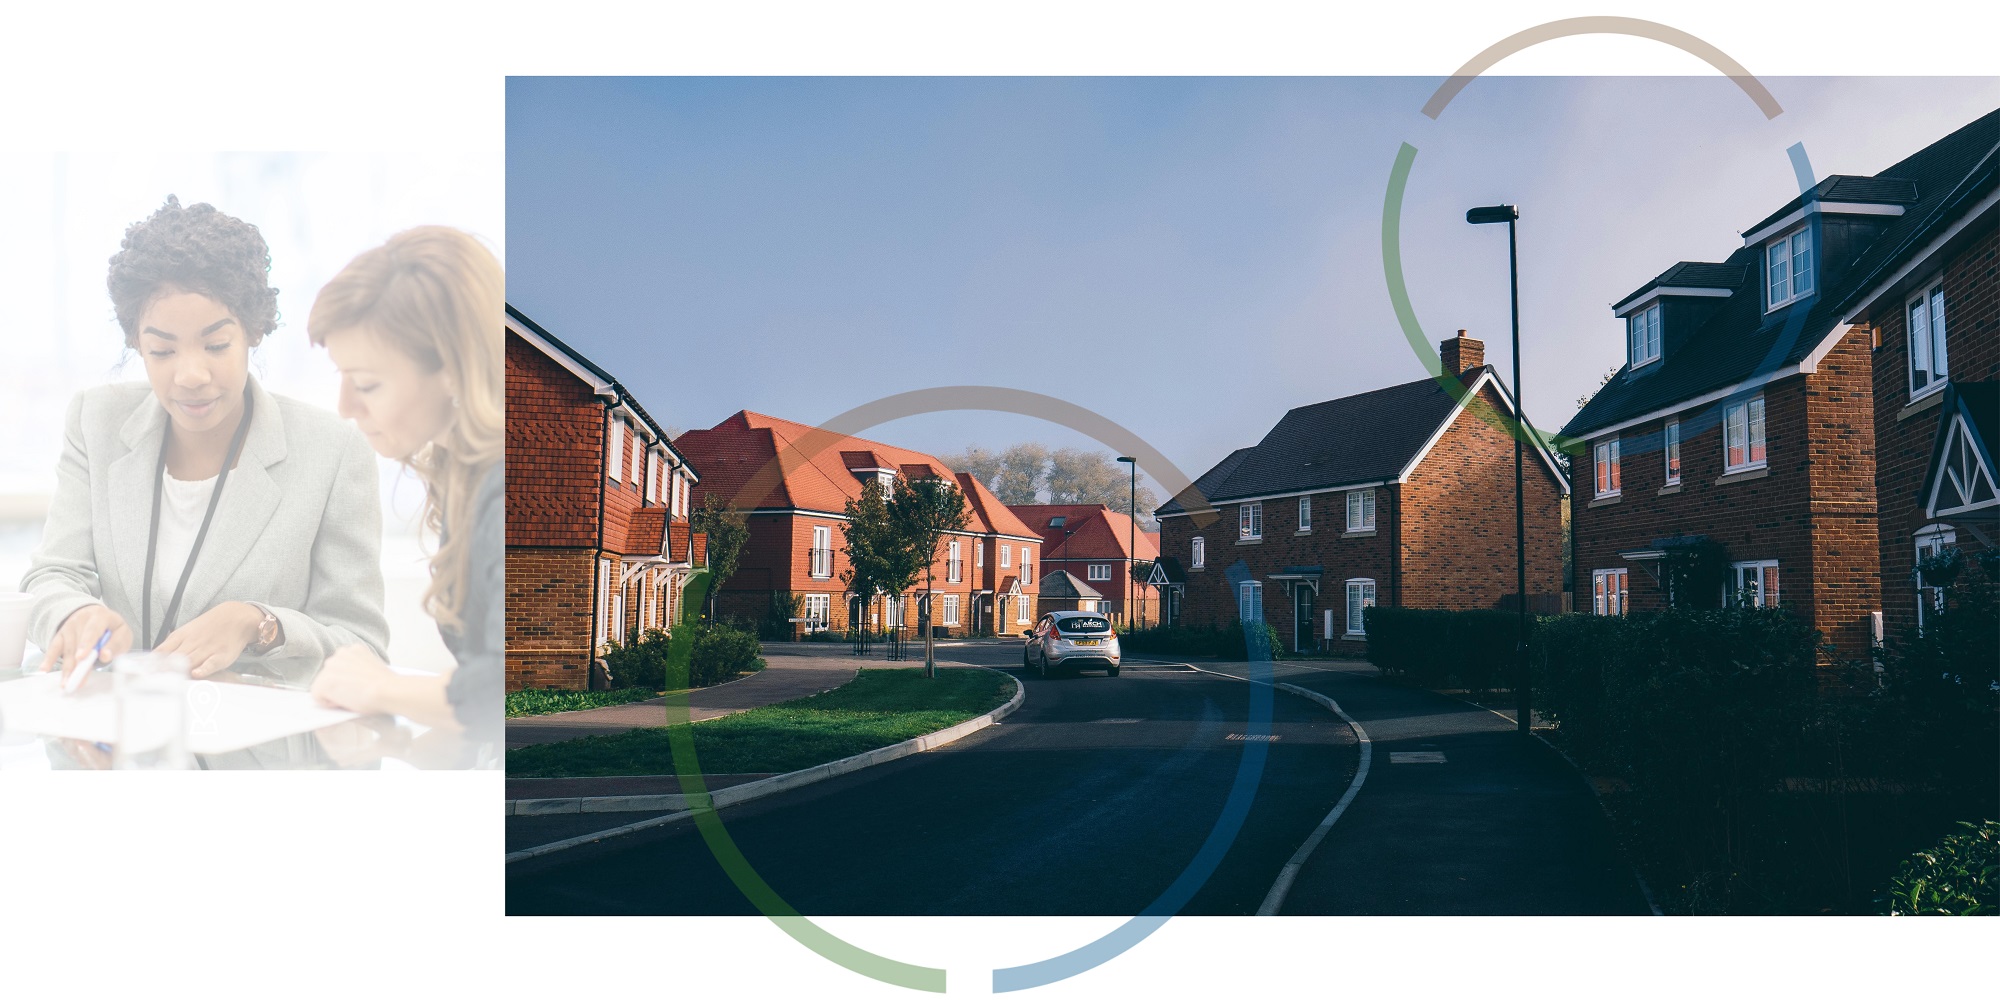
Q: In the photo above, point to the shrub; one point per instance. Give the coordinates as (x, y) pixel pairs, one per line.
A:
(720, 653)
(1958, 877)
(1227, 642)
(1469, 649)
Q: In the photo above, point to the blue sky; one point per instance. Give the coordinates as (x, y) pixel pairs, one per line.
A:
(1188, 256)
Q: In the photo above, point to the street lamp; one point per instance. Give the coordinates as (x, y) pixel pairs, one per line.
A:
(1480, 217)
(1131, 536)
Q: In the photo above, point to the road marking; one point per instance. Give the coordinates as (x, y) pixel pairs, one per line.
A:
(1276, 897)
(1253, 738)
(1113, 722)
(1416, 757)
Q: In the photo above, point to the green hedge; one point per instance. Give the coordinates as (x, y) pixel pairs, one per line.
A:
(1443, 649)
(1762, 775)
(1958, 877)
(1226, 642)
(720, 652)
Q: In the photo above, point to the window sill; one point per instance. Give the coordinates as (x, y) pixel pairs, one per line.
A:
(1744, 475)
(1670, 488)
(1605, 501)
(1929, 401)
(1259, 540)
(1358, 533)
(1354, 635)
(1197, 569)
(1303, 531)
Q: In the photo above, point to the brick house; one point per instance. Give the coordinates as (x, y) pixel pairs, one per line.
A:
(1402, 496)
(598, 543)
(1095, 544)
(1768, 404)
(794, 482)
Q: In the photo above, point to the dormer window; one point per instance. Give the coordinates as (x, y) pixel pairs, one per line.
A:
(885, 479)
(1788, 268)
(1642, 336)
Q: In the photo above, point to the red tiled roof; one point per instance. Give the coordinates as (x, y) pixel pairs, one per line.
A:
(763, 461)
(987, 513)
(677, 541)
(699, 543)
(645, 533)
(1094, 532)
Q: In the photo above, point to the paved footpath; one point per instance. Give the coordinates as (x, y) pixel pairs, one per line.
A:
(1503, 826)
(791, 670)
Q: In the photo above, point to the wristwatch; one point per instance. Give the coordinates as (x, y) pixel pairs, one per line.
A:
(267, 631)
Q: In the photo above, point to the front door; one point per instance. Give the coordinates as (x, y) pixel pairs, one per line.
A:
(1302, 618)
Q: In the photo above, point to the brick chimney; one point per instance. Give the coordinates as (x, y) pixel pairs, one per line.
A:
(1461, 354)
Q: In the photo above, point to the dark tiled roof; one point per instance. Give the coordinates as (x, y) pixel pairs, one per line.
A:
(1740, 341)
(1980, 402)
(591, 366)
(1170, 567)
(1691, 274)
(1364, 438)
(1882, 189)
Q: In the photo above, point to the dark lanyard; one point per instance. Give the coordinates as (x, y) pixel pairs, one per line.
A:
(153, 533)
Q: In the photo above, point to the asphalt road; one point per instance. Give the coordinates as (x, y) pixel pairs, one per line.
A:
(1094, 796)
(1056, 811)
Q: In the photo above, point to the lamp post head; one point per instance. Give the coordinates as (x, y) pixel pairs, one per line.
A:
(1492, 213)
(1128, 459)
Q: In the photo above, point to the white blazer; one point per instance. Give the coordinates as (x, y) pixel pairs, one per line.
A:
(298, 528)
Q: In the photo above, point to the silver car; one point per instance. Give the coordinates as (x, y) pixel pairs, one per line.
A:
(1071, 640)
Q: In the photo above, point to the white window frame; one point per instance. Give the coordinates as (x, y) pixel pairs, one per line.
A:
(819, 608)
(1605, 475)
(1027, 565)
(1023, 615)
(1610, 592)
(603, 614)
(1642, 336)
(822, 541)
(1361, 510)
(950, 609)
(1098, 571)
(979, 554)
(1762, 597)
(1931, 539)
(652, 478)
(1006, 556)
(1305, 515)
(1360, 597)
(1250, 521)
(616, 464)
(1933, 341)
(1744, 421)
(1791, 249)
(1198, 557)
(1250, 601)
(954, 567)
(1670, 450)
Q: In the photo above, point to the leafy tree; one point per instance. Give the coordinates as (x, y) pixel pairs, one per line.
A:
(1023, 471)
(1087, 477)
(724, 525)
(878, 558)
(921, 512)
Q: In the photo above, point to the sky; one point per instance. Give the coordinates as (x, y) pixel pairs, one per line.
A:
(1189, 257)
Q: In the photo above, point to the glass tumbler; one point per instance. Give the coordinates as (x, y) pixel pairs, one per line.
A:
(151, 691)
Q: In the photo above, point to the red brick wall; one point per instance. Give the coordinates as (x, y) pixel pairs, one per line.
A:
(1210, 600)
(555, 447)
(1846, 570)
(1906, 432)
(548, 617)
(1458, 519)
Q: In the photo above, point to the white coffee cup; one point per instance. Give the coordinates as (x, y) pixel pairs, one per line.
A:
(14, 628)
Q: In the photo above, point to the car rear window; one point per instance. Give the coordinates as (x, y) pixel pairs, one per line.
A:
(1083, 625)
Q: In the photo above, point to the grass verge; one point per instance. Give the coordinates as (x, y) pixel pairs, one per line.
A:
(878, 708)
(546, 702)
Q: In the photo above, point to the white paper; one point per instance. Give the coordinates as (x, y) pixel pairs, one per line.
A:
(221, 717)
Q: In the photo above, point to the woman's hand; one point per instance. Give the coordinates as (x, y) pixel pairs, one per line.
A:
(78, 634)
(354, 678)
(216, 637)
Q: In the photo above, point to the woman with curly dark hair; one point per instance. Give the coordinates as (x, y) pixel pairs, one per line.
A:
(197, 513)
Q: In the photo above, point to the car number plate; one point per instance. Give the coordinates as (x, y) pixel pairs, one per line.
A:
(1088, 642)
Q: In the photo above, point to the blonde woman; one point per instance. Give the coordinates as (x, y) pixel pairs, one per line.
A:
(415, 327)
(197, 513)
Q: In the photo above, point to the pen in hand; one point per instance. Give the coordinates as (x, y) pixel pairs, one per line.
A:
(78, 671)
